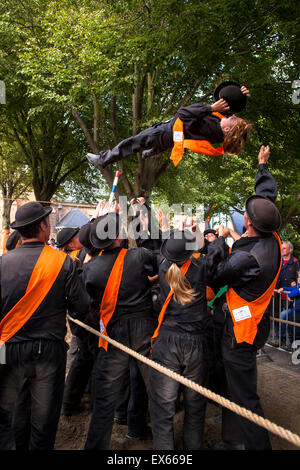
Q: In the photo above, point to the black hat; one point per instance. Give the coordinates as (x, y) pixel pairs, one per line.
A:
(210, 230)
(231, 92)
(65, 235)
(263, 214)
(30, 213)
(104, 230)
(175, 248)
(84, 236)
(12, 240)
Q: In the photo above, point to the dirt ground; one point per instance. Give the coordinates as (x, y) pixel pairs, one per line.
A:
(278, 387)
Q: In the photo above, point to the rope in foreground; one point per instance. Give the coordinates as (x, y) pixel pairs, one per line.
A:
(288, 322)
(259, 420)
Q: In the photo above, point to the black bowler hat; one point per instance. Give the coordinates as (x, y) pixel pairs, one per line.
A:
(12, 240)
(65, 235)
(263, 214)
(30, 213)
(175, 248)
(231, 92)
(84, 236)
(210, 230)
(104, 230)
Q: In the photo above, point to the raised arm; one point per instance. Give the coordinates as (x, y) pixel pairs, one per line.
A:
(265, 184)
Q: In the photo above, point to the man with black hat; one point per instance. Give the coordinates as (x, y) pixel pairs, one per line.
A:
(84, 343)
(196, 127)
(38, 284)
(250, 271)
(68, 241)
(118, 285)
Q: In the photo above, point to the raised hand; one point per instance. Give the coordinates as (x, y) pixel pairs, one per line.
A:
(220, 105)
(264, 154)
(245, 91)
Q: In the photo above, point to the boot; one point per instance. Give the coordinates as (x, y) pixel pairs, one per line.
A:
(149, 153)
(96, 160)
(223, 445)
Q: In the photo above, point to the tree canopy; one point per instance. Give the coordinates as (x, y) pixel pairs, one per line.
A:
(110, 69)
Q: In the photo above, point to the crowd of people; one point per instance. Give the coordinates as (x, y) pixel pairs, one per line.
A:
(287, 298)
(200, 309)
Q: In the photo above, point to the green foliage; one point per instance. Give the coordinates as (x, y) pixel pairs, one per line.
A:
(118, 67)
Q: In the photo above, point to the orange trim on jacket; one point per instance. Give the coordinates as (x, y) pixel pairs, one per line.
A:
(210, 295)
(203, 147)
(184, 268)
(73, 254)
(42, 278)
(110, 295)
(247, 315)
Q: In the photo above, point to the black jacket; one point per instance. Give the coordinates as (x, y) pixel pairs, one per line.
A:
(288, 273)
(193, 317)
(67, 293)
(134, 296)
(200, 124)
(252, 265)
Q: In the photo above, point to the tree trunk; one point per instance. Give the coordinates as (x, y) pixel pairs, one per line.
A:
(7, 203)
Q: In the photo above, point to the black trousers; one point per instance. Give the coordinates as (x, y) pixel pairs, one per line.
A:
(78, 377)
(22, 418)
(241, 377)
(158, 137)
(132, 401)
(37, 368)
(187, 355)
(111, 368)
(123, 398)
(138, 401)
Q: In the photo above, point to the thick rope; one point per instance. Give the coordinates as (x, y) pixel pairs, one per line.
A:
(259, 420)
(288, 322)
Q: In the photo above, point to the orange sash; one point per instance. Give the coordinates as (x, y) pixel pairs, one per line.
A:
(110, 295)
(42, 278)
(73, 254)
(210, 295)
(247, 315)
(5, 237)
(198, 146)
(184, 269)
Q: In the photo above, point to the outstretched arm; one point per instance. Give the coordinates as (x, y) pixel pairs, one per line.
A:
(265, 184)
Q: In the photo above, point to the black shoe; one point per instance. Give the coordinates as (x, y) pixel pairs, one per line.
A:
(222, 445)
(145, 436)
(96, 160)
(149, 153)
(121, 421)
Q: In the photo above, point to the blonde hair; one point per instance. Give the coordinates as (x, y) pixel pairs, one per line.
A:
(237, 136)
(183, 291)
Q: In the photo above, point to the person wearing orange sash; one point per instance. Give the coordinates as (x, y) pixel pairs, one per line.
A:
(250, 271)
(68, 241)
(37, 285)
(121, 307)
(180, 342)
(197, 127)
(81, 355)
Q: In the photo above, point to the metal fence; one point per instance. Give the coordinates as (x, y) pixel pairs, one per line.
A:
(285, 323)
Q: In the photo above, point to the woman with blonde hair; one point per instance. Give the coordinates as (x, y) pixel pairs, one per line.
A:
(179, 342)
